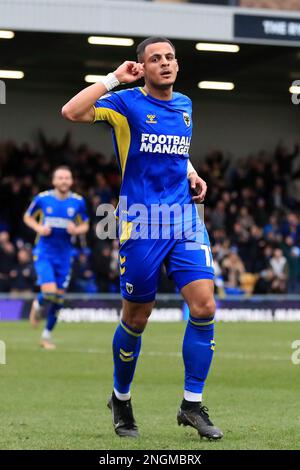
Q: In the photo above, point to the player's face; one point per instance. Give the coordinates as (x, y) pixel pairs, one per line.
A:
(160, 65)
(62, 180)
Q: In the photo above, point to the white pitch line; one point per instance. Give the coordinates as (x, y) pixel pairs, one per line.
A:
(220, 355)
(225, 355)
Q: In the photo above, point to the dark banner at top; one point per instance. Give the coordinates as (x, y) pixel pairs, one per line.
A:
(266, 27)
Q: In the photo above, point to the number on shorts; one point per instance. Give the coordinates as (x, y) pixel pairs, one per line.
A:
(208, 256)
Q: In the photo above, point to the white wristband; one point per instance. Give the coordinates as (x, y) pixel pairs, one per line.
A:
(110, 81)
(190, 168)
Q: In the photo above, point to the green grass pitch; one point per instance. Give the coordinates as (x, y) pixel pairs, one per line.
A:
(57, 399)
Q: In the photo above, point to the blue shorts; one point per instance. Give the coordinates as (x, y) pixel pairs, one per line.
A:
(53, 268)
(140, 259)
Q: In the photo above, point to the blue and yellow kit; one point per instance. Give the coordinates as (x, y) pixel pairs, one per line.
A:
(53, 253)
(152, 139)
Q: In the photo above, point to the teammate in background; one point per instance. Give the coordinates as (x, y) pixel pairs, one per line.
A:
(56, 216)
(152, 128)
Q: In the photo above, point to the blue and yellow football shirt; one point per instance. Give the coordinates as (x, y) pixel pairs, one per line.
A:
(151, 139)
(57, 213)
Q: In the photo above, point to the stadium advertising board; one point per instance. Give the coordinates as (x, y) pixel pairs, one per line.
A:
(266, 27)
(166, 310)
(247, 310)
(11, 310)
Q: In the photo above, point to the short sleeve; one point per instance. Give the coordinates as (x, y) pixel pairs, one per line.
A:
(34, 207)
(109, 108)
(82, 215)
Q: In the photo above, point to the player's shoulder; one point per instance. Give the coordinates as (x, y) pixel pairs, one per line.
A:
(120, 101)
(180, 97)
(120, 94)
(76, 196)
(128, 92)
(43, 194)
(127, 95)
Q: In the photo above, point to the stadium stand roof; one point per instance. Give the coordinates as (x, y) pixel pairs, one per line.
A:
(138, 18)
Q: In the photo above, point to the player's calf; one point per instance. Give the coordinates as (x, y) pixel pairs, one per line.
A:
(39, 305)
(54, 305)
(35, 314)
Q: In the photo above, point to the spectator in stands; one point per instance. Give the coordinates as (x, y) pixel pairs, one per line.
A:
(22, 276)
(265, 274)
(7, 263)
(245, 219)
(83, 277)
(254, 249)
(292, 254)
(103, 190)
(260, 213)
(232, 268)
(218, 216)
(277, 200)
(272, 228)
(291, 227)
(101, 264)
(4, 237)
(279, 266)
(285, 158)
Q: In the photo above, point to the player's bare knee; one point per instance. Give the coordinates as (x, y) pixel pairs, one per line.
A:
(203, 309)
(136, 315)
(136, 321)
(49, 288)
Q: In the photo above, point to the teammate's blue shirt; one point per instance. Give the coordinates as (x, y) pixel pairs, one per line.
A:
(151, 139)
(57, 214)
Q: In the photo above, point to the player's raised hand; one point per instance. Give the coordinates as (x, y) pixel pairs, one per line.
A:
(198, 187)
(44, 230)
(129, 72)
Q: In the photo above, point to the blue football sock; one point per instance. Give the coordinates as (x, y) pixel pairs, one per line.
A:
(126, 349)
(53, 309)
(198, 348)
(40, 298)
(45, 297)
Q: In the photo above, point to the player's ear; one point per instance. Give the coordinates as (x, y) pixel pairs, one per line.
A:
(177, 68)
(141, 69)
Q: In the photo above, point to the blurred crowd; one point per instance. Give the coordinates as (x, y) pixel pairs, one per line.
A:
(251, 213)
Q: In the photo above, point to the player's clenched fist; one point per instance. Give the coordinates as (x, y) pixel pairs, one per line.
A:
(44, 230)
(71, 228)
(129, 72)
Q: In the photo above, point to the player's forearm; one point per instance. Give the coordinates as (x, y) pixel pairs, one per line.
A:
(190, 168)
(82, 228)
(80, 107)
(31, 223)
